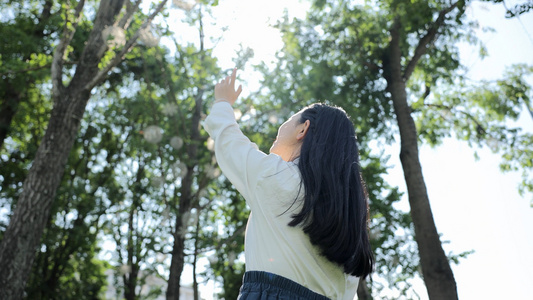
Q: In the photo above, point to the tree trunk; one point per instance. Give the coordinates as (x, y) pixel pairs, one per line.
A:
(8, 108)
(22, 236)
(130, 278)
(186, 199)
(195, 261)
(436, 270)
(185, 206)
(177, 262)
(362, 291)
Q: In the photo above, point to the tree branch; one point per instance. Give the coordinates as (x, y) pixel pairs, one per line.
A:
(528, 107)
(11, 72)
(479, 127)
(427, 91)
(46, 13)
(57, 61)
(36, 68)
(130, 9)
(120, 56)
(423, 43)
(238, 232)
(372, 66)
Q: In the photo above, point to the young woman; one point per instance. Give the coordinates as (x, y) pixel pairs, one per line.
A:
(306, 237)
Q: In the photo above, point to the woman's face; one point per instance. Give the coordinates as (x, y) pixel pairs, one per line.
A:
(290, 137)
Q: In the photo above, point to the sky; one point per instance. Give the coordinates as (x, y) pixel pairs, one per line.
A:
(475, 206)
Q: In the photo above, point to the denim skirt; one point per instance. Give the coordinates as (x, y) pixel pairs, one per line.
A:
(259, 285)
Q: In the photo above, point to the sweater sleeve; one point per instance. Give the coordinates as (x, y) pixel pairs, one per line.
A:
(239, 159)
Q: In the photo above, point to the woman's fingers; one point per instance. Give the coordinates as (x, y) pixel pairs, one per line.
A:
(230, 80)
(233, 76)
(225, 89)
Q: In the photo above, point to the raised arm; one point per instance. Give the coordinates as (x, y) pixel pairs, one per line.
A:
(239, 159)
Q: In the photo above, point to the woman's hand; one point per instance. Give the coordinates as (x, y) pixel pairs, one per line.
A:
(225, 89)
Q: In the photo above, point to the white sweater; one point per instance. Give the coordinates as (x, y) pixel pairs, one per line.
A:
(270, 185)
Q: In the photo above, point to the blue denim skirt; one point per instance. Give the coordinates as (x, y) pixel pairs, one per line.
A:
(259, 285)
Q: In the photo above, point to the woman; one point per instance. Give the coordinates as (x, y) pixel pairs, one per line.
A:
(306, 237)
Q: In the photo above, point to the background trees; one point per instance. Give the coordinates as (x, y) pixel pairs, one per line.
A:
(32, 210)
(139, 175)
(386, 62)
(141, 197)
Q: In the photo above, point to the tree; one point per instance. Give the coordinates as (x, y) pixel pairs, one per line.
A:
(24, 64)
(96, 190)
(482, 113)
(517, 9)
(436, 269)
(384, 60)
(172, 165)
(17, 250)
(229, 212)
(66, 262)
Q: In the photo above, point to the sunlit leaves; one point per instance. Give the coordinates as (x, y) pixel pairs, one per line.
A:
(124, 180)
(482, 114)
(341, 55)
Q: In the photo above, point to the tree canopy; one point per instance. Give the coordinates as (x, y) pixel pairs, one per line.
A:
(101, 145)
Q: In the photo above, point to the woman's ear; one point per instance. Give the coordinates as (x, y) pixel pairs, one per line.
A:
(302, 130)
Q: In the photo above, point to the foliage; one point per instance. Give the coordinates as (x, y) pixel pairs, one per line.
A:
(296, 82)
(23, 89)
(119, 189)
(98, 190)
(122, 199)
(223, 238)
(484, 114)
(517, 9)
(339, 55)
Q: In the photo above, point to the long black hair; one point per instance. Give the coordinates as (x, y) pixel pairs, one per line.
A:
(335, 206)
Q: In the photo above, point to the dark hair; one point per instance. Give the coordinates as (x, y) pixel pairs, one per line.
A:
(335, 207)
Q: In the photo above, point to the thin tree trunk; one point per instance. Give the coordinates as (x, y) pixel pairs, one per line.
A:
(60, 261)
(178, 249)
(195, 261)
(185, 206)
(176, 264)
(436, 270)
(187, 196)
(362, 291)
(130, 278)
(8, 108)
